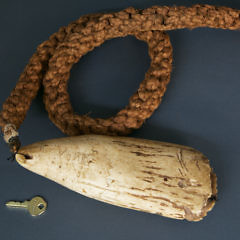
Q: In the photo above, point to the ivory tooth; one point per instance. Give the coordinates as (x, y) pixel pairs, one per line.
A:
(156, 177)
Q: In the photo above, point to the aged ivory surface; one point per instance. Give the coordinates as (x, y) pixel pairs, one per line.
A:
(156, 177)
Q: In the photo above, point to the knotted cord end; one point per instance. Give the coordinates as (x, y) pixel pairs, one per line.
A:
(11, 137)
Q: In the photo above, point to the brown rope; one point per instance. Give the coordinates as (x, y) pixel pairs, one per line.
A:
(51, 64)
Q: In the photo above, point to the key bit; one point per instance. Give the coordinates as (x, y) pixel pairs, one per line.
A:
(36, 206)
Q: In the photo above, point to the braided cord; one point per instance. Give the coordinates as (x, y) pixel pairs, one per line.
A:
(50, 65)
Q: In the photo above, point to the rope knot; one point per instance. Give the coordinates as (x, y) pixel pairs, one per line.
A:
(11, 137)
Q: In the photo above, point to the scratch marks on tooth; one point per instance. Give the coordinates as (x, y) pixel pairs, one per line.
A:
(180, 171)
(181, 160)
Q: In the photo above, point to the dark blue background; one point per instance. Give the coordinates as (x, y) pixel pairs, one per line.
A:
(200, 109)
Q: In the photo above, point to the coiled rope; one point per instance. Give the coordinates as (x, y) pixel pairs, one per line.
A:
(50, 66)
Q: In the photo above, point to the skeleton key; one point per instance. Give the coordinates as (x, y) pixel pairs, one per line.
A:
(36, 206)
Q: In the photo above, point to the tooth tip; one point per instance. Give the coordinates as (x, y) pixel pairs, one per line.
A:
(20, 158)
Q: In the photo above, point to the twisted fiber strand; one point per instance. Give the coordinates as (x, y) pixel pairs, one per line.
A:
(51, 64)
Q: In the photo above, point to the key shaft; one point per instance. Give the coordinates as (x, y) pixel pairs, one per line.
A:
(15, 204)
